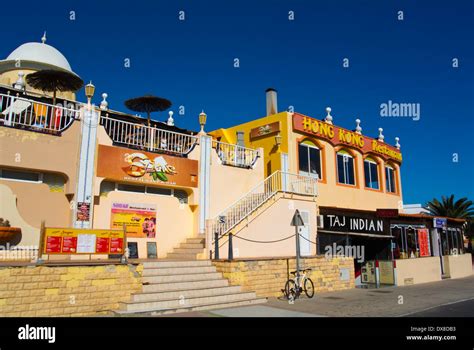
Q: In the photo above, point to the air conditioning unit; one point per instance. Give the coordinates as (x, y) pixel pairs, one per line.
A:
(320, 221)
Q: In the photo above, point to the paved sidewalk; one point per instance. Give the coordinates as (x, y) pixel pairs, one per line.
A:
(447, 298)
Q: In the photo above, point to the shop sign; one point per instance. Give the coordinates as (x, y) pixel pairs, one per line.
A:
(340, 136)
(140, 219)
(121, 164)
(387, 213)
(83, 241)
(343, 223)
(440, 222)
(423, 242)
(265, 130)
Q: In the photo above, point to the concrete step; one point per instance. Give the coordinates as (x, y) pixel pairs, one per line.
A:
(182, 270)
(181, 256)
(187, 302)
(180, 263)
(187, 250)
(183, 286)
(191, 246)
(214, 306)
(185, 294)
(182, 278)
(195, 240)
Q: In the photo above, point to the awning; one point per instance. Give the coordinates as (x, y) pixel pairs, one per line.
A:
(373, 235)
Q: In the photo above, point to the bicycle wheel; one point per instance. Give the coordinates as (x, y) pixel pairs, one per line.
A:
(308, 288)
(290, 289)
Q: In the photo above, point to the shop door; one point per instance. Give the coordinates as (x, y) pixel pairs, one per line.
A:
(305, 244)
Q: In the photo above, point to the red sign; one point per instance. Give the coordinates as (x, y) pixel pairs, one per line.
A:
(102, 245)
(116, 245)
(423, 242)
(387, 213)
(53, 244)
(69, 244)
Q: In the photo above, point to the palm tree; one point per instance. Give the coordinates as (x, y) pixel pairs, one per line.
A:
(462, 208)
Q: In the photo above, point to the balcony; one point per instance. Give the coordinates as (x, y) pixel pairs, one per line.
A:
(235, 155)
(35, 115)
(148, 138)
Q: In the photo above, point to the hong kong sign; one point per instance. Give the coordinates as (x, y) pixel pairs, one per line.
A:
(340, 136)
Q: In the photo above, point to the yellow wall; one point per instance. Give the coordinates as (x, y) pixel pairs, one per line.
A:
(270, 152)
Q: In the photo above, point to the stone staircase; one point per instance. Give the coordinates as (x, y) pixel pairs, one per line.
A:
(180, 286)
(191, 249)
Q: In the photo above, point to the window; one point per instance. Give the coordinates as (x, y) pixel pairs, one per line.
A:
(159, 190)
(309, 159)
(345, 168)
(406, 243)
(17, 175)
(371, 174)
(390, 179)
(131, 188)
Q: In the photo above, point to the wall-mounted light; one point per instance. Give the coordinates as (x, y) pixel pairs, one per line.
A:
(278, 140)
(202, 121)
(90, 89)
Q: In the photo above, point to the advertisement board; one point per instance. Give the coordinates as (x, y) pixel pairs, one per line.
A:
(140, 219)
(83, 241)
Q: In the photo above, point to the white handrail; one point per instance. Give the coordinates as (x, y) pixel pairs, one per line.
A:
(16, 111)
(242, 208)
(235, 155)
(147, 137)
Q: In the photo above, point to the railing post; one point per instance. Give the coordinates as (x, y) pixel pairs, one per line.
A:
(216, 245)
(230, 255)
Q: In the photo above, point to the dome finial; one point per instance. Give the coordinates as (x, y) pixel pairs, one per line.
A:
(43, 39)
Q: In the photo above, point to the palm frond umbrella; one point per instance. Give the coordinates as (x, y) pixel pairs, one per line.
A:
(148, 104)
(52, 80)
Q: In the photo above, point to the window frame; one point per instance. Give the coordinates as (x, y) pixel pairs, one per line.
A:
(389, 184)
(346, 155)
(40, 176)
(370, 161)
(310, 145)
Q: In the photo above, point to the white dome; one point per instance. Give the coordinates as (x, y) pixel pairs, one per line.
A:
(40, 52)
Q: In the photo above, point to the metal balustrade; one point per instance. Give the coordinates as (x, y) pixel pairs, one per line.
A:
(29, 114)
(279, 181)
(235, 155)
(148, 138)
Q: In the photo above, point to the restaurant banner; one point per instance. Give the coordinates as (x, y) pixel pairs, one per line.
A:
(340, 220)
(122, 164)
(423, 242)
(83, 241)
(140, 219)
(340, 136)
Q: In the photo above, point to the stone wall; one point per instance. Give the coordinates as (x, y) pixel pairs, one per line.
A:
(267, 276)
(35, 291)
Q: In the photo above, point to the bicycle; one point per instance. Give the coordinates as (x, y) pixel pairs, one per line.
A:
(296, 285)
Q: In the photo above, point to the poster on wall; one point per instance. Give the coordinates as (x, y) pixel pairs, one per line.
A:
(140, 219)
(423, 242)
(83, 211)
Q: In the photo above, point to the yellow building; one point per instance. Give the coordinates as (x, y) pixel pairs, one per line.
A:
(354, 170)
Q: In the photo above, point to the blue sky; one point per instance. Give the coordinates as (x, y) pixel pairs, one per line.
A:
(191, 63)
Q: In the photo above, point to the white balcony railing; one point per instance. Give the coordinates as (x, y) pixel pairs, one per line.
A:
(29, 114)
(148, 138)
(279, 181)
(235, 155)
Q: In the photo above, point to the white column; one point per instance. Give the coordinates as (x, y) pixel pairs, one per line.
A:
(84, 191)
(204, 181)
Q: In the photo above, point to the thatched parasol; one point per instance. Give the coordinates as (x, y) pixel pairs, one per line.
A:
(148, 104)
(53, 80)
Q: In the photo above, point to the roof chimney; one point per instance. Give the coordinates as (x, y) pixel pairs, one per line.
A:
(272, 105)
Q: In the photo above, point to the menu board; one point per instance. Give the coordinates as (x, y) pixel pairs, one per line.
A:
(83, 241)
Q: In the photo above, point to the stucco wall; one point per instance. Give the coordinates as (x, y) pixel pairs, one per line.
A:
(458, 266)
(229, 183)
(420, 270)
(174, 221)
(270, 223)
